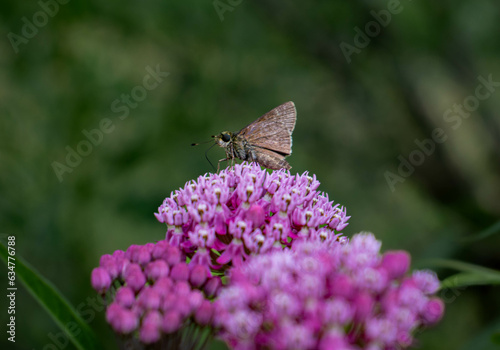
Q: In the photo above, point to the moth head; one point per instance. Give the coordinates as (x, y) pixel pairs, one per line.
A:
(223, 139)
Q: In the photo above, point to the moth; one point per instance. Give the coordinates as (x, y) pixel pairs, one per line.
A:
(267, 141)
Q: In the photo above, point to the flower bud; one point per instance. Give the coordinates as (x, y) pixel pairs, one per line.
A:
(157, 269)
(433, 310)
(204, 313)
(180, 272)
(100, 279)
(150, 331)
(198, 275)
(125, 297)
(212, 286)
(171, 321)
(396, 263)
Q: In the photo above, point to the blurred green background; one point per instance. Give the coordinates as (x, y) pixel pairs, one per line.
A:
(357, 113)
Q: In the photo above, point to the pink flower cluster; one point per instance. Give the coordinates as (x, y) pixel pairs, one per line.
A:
(294, 281)
(327, 296)
(154, 292)
(221, 219)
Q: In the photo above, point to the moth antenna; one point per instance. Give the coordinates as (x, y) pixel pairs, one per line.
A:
(200, 143)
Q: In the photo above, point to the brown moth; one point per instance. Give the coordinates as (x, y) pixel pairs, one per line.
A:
(267, 141)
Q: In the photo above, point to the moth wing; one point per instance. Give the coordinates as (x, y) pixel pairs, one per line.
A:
(273, 130)
(270, 159)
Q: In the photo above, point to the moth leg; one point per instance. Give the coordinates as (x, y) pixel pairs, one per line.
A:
(252, 156)
(222, 160)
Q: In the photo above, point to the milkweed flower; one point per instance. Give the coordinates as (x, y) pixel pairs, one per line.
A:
(154, 294)
(221, 219)
(294, 281)
(327, 296)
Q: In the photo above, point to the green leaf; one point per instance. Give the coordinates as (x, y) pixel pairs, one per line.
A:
(490, 231)
(51, 300)
(470, 274)
(462, 266)
(468, 279)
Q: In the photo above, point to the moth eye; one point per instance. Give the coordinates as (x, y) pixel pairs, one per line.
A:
(226, 137)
